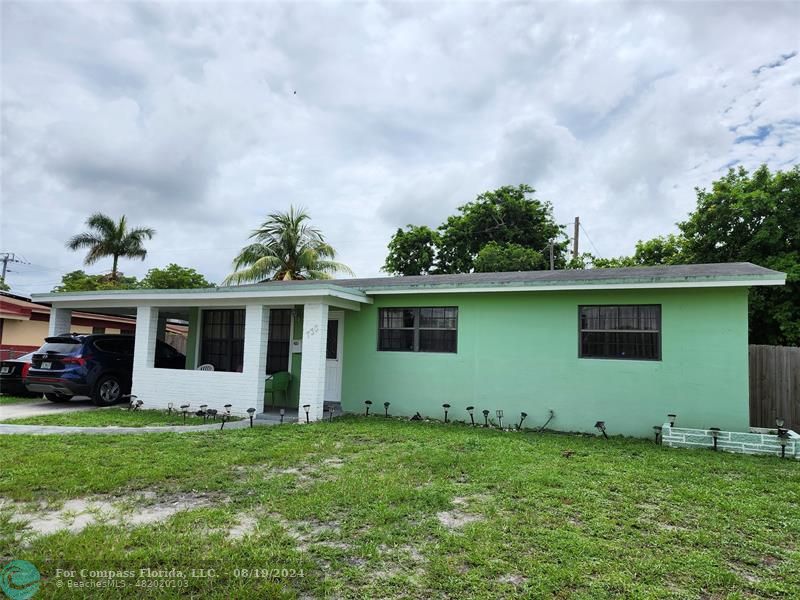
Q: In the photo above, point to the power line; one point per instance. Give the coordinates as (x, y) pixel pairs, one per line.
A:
(588, 237)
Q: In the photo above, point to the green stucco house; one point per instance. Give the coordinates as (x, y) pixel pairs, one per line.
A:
(623, 346)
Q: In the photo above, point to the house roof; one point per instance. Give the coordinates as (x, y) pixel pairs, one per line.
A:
(735, 274)
(349, 292)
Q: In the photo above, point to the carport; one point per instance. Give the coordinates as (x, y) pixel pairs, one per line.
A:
(229, 327)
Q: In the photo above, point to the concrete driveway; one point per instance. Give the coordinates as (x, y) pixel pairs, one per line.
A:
(42, 407)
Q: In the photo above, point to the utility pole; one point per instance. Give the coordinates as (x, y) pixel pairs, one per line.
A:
(552, 262)
(575, 238)
(7, 257)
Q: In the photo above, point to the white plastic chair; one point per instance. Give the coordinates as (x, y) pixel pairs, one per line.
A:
(206, 367)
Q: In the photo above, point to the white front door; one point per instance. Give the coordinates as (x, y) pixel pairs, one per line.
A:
(333, 356)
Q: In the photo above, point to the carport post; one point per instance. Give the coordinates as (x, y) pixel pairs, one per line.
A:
(312, 368)
(60, 321)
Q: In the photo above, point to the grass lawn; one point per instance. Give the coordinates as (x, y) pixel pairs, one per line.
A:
(114, 417)
(374, 508)
(18, 399)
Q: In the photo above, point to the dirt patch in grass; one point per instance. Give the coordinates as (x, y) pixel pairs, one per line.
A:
(460, 516)
(143, 508)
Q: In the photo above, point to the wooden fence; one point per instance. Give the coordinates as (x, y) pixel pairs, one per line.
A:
(775, 386)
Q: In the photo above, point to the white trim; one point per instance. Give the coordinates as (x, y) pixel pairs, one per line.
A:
(291, 296)
(580, 287)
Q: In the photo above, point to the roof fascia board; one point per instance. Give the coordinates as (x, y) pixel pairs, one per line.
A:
(291, 296)
(578, 287)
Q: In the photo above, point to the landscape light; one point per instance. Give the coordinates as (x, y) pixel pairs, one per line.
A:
(499, 413)
(386, 409)
(282, 412)
(546, 423)
(184, 408)
(783, 439)
(445, 407)
(601, 427)
(306, 407)
(367, 403)
(714, 435)
(657, 431)
(170, 405)
(779, 423)
(522, 416)
(485, 417)
(251, 412)
(672, 420)
(228, 409)
(471, 410)
(203, 412)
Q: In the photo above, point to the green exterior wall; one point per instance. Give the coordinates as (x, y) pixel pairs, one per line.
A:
(191, 338)
(519, 352)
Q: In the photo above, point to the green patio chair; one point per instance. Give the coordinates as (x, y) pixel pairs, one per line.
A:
(278, 382)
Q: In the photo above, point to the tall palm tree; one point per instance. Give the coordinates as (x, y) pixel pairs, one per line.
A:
(111, 238)
(286, 247)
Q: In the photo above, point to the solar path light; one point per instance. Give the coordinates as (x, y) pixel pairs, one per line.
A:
(367, 403)
(185, 409)
(522, 417)
(445, 407)
(307, 407)
(251, 412)
(471, 411)
(485, 417)
(601, 427)
(714, 435)
(499, 414)
(386, 409)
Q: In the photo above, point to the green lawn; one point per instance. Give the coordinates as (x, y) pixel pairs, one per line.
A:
(114, 417)
(374, 508)
(18, 399)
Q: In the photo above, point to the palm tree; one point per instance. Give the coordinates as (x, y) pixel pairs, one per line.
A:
(109, 238)
(286, 247)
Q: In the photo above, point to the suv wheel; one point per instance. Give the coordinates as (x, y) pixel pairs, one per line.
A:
(107, 391)
(56, 397)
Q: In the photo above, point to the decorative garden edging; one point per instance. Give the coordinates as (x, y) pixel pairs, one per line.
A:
(758, 441)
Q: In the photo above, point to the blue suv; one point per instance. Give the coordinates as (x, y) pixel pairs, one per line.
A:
(99, 366)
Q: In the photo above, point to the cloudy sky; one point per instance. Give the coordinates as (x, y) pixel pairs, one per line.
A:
(199, 119)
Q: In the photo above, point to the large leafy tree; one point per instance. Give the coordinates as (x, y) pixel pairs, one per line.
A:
(516, 227)
(412, 251)
(494, 257)
(4, 287)
(286, 247)
(80, 281)
(745, 217)
(107, 237)
(174, 277)
(755, 218)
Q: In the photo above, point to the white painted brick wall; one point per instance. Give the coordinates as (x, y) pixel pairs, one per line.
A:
(158, 387)
(312, 371)
(730, 441)
(60, 321)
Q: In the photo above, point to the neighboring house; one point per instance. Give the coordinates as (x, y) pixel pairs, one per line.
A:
(624, 346)
(23, 325)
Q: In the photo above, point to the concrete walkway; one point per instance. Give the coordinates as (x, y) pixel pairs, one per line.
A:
(39, 407)
(7, 429)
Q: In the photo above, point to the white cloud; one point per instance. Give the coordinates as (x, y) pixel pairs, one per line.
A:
(185, 117)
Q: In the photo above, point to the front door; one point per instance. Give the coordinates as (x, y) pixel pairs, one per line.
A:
(333, 355)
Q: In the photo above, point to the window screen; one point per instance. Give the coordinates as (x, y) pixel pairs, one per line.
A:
(626, 331)
(222, 342)
(332, 349)
(429, 329)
